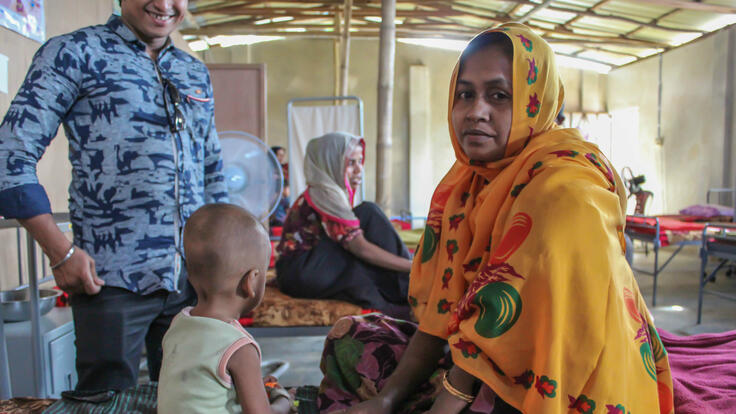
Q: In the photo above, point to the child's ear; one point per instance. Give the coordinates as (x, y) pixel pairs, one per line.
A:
(248, 283)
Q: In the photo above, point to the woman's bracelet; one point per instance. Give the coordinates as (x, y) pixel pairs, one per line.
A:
(454, 391)
(64, 260)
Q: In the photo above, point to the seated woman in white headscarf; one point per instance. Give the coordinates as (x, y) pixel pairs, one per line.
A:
(330, 250)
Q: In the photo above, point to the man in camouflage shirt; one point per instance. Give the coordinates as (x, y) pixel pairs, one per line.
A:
(139, 116)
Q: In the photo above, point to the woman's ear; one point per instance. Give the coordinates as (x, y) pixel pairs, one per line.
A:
(248, 283)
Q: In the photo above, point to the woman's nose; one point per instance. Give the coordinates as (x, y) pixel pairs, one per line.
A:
(479, 110)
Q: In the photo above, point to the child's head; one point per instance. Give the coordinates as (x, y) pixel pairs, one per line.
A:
(227, 252)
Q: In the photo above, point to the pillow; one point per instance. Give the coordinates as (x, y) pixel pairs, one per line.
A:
(707, 210)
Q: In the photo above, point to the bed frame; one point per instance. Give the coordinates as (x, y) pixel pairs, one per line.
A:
(654, 240)
(722, 247)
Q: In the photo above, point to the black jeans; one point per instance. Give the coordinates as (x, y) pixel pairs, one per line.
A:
(111, 328)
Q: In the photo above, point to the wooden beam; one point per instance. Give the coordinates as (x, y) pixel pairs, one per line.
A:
(218, 7)
(345, 47)
(690, 5)
(588, 59)
(604, 50)
(336, 51)
(328, 11)
(386, 51)
(599, 5)
(585, 37)
(653, 25)
(534, 11)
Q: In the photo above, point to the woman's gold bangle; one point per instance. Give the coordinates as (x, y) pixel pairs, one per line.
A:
(454, 391)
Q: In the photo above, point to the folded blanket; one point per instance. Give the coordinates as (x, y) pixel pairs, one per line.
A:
(703, 371)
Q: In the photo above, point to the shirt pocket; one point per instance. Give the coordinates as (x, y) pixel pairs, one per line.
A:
(198, 105)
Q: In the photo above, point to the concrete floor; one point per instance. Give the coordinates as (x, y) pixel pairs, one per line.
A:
(676, 311)
(677, 293)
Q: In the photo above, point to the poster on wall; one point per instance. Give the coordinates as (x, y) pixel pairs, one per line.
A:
(25, 17)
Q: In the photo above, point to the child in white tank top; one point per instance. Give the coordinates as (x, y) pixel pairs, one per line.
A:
(210, 363)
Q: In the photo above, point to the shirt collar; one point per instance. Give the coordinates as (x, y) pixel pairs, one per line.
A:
(115, 23)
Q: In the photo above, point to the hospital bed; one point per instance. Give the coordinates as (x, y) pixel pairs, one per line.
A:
(674, 230)
(662, 231)
(719, 243)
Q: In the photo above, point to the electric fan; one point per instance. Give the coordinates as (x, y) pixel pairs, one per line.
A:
(253, 175)
(632, 182)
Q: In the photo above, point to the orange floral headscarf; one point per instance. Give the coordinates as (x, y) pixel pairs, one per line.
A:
(521, 266)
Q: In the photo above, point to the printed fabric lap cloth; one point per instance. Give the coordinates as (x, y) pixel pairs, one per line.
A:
(360, 354)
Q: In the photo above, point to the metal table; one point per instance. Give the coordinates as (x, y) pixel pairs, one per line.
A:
(62, 221)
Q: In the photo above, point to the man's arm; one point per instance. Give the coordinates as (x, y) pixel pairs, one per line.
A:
(46, 95)
(76, 273)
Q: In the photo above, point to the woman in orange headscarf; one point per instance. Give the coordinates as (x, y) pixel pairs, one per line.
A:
(521, 270)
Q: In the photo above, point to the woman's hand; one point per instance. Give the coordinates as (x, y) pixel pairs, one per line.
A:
(375, 405)
(373, 254)
(446, 403)
(418, 362)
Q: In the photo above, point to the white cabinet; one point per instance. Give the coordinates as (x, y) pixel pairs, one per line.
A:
(57, 347)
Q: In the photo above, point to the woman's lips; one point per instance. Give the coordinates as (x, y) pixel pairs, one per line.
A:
(476, 136)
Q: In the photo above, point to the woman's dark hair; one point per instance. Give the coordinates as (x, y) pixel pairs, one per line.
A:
(276, 148)
(485, 40)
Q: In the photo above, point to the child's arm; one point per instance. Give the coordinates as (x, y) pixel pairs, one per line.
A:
(245, 369)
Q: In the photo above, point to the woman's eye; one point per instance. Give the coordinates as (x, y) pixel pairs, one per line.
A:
(499, 96)
(464, 95)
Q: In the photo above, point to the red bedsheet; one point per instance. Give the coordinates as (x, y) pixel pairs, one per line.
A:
(668, 225)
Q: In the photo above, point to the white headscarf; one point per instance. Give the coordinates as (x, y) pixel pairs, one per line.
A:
(328, 188)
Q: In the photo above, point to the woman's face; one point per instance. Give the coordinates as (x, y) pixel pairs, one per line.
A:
(354, 167)
(482, 105)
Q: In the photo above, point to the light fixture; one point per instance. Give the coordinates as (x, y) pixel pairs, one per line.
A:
(583, 64)
(684, 38)
(198, 45)
(377, 19)
(282, 19)
(447, 44)
(237, 40)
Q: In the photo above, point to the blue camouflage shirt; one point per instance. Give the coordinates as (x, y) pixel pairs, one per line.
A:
(134, 181)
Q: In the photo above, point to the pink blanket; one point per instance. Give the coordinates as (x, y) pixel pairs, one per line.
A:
(703, 372)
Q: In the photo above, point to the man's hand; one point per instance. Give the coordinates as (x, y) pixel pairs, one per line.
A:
(78, 274)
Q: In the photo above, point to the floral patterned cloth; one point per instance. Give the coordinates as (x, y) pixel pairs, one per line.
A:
(304, 227)
(360, 354)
